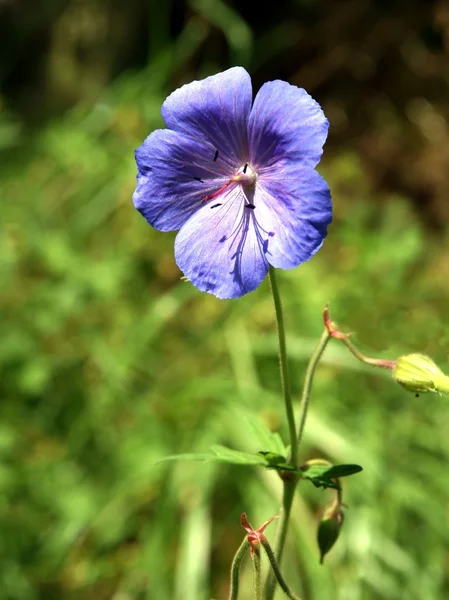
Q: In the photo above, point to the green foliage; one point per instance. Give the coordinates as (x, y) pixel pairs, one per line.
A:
(324, 476)
(220, 454)
(276, 461)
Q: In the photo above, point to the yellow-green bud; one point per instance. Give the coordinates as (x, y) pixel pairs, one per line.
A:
(418, 373)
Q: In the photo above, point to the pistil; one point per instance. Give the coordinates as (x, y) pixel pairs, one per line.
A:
(245, 176)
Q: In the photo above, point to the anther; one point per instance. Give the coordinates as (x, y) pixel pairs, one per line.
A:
(245, 167)
(215, 205)
(249, 205)
(215, 155)
(198, 179)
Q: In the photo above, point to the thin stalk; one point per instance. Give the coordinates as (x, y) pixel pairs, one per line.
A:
(257, 573)
(344, 337)
(283, 361)
(271, 557)
(373, 362)
(290, 485)
(308, 381)
(235, 569)
(281, 534)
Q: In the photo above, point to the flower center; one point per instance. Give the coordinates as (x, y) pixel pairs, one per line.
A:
(246, 176)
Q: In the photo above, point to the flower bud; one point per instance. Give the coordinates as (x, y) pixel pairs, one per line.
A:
(329, 530)
(418, 373)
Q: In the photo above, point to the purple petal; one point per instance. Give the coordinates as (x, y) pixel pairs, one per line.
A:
(175, 172)
(285, 124)
(294, 208)
(215, 112)
(221, 250)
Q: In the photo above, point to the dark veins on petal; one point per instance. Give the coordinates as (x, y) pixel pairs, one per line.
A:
(240, 232)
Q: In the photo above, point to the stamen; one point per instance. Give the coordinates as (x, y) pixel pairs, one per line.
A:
(215, 205)
(198, 179)
(215, 155)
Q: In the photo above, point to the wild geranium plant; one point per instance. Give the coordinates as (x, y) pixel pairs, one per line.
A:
(237, 178)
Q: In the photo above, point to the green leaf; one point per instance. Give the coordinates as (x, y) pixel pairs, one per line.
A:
(270, 460)
(323, 482)
(266, 438)
(276, 461)
(325, 475)
(223, 454)
(199, 457)
(219, 454)
(343, 470)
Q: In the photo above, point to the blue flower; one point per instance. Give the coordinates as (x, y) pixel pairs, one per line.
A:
(237, 179)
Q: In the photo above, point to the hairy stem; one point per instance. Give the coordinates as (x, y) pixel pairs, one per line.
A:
(289, 484)
(285, 377)
(281, 534)
(235, 569)
(257, 573)
(373, 362)
(308, 381)
(277, 573)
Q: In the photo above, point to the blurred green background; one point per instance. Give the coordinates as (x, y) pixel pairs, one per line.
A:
(109, 361)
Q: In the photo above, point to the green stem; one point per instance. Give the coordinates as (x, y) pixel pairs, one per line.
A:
(281, 534)
(305, 396)
(257, 593)
(289, 484)
(235, 569)
(283, 360)
(277, 573)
